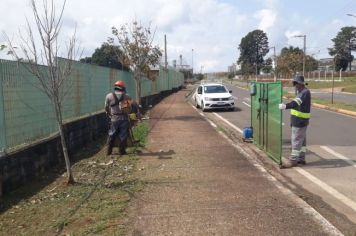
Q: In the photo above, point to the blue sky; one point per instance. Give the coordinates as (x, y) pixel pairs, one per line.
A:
(213, 28)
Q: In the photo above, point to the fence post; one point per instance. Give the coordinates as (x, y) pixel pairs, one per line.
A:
(3, 144)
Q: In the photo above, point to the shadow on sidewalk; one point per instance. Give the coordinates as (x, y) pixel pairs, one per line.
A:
(160, 154)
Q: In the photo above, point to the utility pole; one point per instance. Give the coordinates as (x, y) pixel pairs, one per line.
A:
(192, 62)
(274, 63)
(256, 62)
(304, 49)
(165, 52)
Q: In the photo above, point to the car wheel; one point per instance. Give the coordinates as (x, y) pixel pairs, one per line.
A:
(232, 109)
(196, 103)
(202, 106)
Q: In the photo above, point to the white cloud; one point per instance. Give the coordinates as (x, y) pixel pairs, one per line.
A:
(267, 19)
(213, 28)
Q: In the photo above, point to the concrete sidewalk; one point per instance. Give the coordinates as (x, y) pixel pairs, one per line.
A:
(199, 184)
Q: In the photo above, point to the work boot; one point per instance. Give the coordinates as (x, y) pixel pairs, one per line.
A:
(108, 150)
(122, 148)
(287, 163)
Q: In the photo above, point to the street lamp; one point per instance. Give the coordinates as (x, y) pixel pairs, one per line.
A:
(192, 62)
(304, 49)
(274, 63)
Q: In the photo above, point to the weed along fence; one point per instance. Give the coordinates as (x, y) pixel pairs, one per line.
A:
(26, 114)
(266, 118)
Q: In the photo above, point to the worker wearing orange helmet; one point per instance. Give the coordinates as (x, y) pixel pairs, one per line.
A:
(118, 106)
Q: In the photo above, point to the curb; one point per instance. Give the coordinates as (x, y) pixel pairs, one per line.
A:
(327, 226)
(342, 111)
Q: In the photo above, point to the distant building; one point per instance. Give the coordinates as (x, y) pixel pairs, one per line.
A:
(233, 68)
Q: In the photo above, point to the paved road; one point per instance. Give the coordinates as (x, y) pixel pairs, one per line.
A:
(341, 97)
(331, 172)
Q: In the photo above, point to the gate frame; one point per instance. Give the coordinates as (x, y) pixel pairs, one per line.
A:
(264, 146)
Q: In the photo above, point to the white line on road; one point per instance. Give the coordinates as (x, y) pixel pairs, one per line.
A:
(347, 201)
(235, 97)
(210, 122)
(327, 225)
(338, 155)
(228, 122)
(246, 104)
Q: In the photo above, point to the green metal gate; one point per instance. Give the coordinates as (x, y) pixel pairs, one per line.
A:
(266, 118)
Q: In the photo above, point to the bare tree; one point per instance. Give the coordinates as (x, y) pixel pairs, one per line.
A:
(39, 54)
(136, 42)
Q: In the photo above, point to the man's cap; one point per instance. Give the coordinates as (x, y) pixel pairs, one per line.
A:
(299, 79)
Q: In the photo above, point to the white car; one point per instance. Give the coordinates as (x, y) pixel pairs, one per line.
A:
(212, 96)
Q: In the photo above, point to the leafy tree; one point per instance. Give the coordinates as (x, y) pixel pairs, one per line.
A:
(267, 66)
(341, 63)
(253, 48)
(107, 55)
(344, 44)
(136, 42)
(289, 61)
(311, 63)
(199, 76)
(55, 80)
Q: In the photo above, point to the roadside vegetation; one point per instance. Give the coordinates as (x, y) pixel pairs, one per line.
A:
(335, 105)
(94, 205)
(327, 102)
(346, 85)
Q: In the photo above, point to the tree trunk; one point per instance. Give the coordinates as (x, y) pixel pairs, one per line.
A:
(70, 179)
(138, 87)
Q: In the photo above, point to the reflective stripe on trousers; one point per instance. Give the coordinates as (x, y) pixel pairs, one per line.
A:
(298, 143)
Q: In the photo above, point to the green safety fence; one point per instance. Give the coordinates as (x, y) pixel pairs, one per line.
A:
(26, 113)
(266, 118)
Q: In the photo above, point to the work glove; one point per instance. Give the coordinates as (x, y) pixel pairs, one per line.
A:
(282, 106)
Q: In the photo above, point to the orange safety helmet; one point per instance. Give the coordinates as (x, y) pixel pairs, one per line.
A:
(120, 84)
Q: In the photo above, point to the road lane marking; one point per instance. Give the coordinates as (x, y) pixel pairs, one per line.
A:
(246, 104)
(200, 113)
(228, 122)
(338, 155)
(326, 225)
(212, 123)
(345, 200)
(333, 192)
(305, 206)
(236, 98)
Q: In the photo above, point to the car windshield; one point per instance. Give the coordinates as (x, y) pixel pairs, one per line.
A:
(215, 89)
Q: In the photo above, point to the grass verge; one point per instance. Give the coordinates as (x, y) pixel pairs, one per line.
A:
(94, 205)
